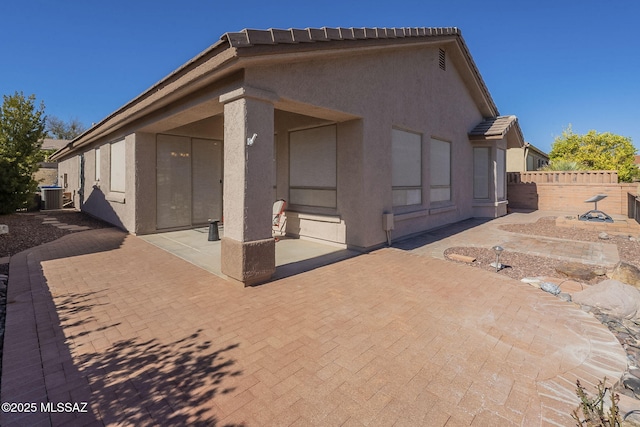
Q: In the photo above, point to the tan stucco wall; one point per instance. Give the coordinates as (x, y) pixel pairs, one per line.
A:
(368, 95)
(404, 89)
(515, 160)
(70, 167)
(96, 198)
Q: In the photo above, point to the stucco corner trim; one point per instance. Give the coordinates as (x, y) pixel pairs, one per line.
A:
(115, 197)
(249, 92)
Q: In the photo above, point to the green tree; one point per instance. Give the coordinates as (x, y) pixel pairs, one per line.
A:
(58, 128)
(22, 128)
(597, 151)
(563, 165)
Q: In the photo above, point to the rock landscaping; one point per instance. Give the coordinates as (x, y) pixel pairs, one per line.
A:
(612, 296)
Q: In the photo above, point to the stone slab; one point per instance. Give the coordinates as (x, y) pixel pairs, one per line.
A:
(462, 258)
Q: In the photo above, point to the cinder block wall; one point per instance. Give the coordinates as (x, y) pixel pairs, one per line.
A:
(570, 197)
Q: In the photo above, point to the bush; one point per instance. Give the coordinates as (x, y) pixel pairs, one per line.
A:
(593, 409)
(22, 128)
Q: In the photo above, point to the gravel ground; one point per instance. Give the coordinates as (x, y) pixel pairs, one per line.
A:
(629, 250)
(26, 230)
(521, 265)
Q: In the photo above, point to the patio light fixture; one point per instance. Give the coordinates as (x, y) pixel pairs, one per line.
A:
(498, 250)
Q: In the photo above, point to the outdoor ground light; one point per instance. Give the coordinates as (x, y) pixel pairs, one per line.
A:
(498, 250)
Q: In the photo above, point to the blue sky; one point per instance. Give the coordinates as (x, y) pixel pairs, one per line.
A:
(551, 63)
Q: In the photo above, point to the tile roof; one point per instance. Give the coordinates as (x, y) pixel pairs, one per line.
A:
(248, 37)
(536, 149)
(293, 36)
(494, 126)
(54, 144)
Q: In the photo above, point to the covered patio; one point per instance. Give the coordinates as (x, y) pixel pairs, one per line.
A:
(293, 256)
(233, 166)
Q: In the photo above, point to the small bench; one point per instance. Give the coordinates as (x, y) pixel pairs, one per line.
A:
(594, 214)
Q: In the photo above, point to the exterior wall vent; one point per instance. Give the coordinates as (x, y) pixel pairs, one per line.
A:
(442, 60)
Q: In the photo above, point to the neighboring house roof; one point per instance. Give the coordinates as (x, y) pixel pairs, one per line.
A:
(532, 147)
(235, 50)
(637, 160)
(53, 144)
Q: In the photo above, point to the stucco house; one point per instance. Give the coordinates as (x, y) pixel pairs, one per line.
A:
(526, 158)
(47, 174)
(362, 131)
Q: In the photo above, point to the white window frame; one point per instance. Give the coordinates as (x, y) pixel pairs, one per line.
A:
(406, 167)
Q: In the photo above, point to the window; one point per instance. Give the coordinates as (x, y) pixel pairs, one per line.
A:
(440, 164)
(406, 168)
(501, 173)
(312, 167)
(98, 164)
(118, 167)
(481, 172)
(530, 163)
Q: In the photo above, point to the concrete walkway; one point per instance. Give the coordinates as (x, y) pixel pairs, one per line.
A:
(386, 338)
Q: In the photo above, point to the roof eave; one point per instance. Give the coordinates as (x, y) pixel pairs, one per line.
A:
(228, 48)
(100, 128)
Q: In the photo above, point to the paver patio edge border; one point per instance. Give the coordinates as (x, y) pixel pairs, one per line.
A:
(37, 366)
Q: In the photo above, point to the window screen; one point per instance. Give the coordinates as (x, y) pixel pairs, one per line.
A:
(97, 164)
(406, 167)
(312, 167)
(118, 166)
(500, 171)
(481, 172)
(440, 164)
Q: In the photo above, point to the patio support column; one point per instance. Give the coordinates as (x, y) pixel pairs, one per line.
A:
(248, 248)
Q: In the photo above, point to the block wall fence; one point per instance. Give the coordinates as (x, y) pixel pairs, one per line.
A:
(568, 190)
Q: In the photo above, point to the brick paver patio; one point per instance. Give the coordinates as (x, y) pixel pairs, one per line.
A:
(386, 338)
